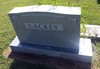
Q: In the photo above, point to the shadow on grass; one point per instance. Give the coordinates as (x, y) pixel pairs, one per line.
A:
(43, 62)
(98, 1)
(95, 40)
(17, 64)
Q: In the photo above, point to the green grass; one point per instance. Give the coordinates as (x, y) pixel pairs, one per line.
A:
(90, 15)
(96, 58)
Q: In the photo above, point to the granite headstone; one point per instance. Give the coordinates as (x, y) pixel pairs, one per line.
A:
(50, 30)
(48, 25)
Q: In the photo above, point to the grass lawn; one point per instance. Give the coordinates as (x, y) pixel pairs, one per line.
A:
(90, 15)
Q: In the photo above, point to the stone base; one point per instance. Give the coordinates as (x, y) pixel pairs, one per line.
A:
(84, 55)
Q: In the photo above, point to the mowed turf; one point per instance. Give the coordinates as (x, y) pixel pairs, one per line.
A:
(90, 15)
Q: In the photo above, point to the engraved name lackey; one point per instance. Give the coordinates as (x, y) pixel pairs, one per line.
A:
(40, 26)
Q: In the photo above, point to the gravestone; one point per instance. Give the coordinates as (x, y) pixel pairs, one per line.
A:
(49, 30)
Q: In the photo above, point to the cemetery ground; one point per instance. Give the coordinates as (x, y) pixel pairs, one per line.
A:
(90, 15)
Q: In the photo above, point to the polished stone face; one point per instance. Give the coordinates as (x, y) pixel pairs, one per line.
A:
(49, 28)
